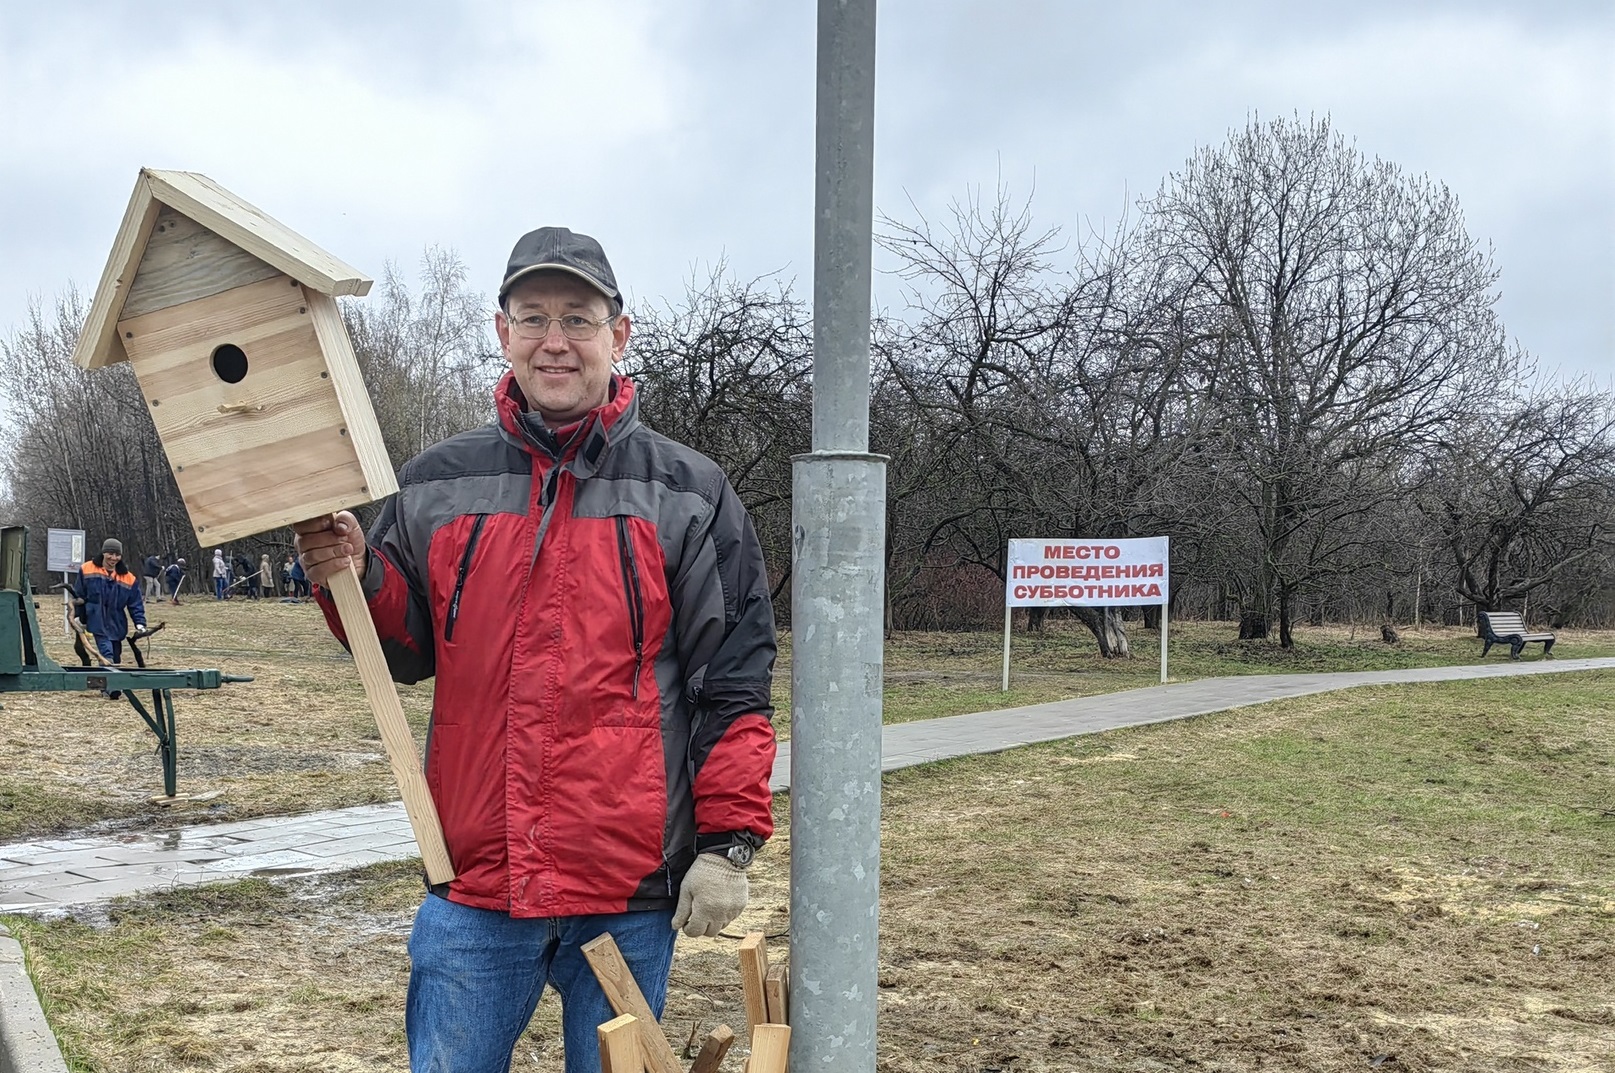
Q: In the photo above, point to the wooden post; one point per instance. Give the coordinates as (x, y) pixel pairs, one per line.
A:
(753, 970)
(619, 1045)
(625, 997)
(774, 990)
(389, 712)
(770, 1044)
(717, 1044)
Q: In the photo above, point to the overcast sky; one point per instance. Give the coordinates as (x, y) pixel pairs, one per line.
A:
(682, 132)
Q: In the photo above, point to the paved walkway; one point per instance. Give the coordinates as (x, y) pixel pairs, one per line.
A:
(58, 873)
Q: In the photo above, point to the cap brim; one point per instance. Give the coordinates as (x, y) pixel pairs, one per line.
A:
(504, 288)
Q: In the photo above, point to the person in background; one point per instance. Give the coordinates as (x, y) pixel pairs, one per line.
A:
(287, 588)
(174, 575)
(152, 572)
(266, 576)
(300, 590)
(243, 573)
(221, 575)
(109, 596)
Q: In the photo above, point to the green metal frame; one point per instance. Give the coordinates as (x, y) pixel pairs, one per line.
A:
(26, 668)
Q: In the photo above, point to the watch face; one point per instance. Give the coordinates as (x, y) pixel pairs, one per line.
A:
(740, 855)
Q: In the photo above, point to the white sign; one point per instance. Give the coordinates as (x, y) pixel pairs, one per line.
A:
(64, 550)
(1086, 573)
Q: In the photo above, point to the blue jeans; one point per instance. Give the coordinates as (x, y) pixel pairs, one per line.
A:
(218, 588)
(111, 648)
(476, 975)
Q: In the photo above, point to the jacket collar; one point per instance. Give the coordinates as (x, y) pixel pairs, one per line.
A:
(585, 442)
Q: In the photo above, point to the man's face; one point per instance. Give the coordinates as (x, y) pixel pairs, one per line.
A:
(562, 379)
(110, 559)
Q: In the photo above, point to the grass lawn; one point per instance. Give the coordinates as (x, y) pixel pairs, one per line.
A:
(300, 736)
(1414, 878)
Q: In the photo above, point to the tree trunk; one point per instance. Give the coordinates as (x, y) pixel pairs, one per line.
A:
(1106, 627)
(1152, 616)
(1286, 619)
(1116, 631)
(1252, 625)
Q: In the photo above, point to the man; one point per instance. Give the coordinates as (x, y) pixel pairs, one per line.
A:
(175, 576)
(108, 596)
(300, 583)
(592, 600)
(153, 569)
(243, 573)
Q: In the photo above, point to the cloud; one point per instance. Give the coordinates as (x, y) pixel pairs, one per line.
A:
(682, 133)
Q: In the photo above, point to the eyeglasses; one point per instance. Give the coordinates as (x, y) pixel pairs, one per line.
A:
(574, 326)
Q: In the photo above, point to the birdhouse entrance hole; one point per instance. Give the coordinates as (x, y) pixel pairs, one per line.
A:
(230, 363)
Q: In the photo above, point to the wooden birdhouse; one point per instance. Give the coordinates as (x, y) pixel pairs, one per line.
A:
(230, 322)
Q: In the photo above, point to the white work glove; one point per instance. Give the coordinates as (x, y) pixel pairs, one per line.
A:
(713, 893)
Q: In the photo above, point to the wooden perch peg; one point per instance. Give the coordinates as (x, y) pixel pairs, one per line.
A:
(389, 712)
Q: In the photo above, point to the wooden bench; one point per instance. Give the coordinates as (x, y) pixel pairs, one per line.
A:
(1508, 628)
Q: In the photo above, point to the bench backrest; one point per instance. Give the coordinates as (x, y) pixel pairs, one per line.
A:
(1503, 623)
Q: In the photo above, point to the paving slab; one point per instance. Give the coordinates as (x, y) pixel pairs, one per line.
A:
(26, 1043)
(54, 874)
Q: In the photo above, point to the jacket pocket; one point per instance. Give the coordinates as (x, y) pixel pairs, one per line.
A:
(459, 578)
(634, 596)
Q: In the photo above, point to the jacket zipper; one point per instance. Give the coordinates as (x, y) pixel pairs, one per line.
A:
(459, 581)
(636, 601)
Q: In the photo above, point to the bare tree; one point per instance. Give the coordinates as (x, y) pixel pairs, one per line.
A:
(1338, 314)
(727, 371)
(1524, 498)
(428, 358)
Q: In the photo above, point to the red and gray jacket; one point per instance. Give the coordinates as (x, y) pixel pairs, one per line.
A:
(595, 610)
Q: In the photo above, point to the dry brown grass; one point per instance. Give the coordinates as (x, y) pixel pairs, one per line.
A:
(1304, 886)
(300, 736)
(1419, 875)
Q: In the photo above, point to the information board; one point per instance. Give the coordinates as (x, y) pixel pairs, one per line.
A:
(64, 550)
(1087, 572)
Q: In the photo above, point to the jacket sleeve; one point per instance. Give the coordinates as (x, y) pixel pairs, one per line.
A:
(394, 585)
(81, 597)
(137, 605)
(724, 623)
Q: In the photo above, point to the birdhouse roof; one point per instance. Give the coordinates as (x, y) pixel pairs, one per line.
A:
(214, 208)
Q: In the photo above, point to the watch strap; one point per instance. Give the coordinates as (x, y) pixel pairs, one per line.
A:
(722, 840)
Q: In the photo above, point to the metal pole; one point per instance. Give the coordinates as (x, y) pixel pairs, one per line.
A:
(1165, 608)
(1008, 611)
(838, 588)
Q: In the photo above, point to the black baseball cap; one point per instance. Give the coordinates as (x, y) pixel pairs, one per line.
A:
(556, 249)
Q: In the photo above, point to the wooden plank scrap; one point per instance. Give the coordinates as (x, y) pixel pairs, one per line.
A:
(617, 981)
(619, 1045)
(774, 991)
(770, 1045)
(717, 1044)
(753, 971)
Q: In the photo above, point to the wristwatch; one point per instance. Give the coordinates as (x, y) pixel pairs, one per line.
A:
(738, 846)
